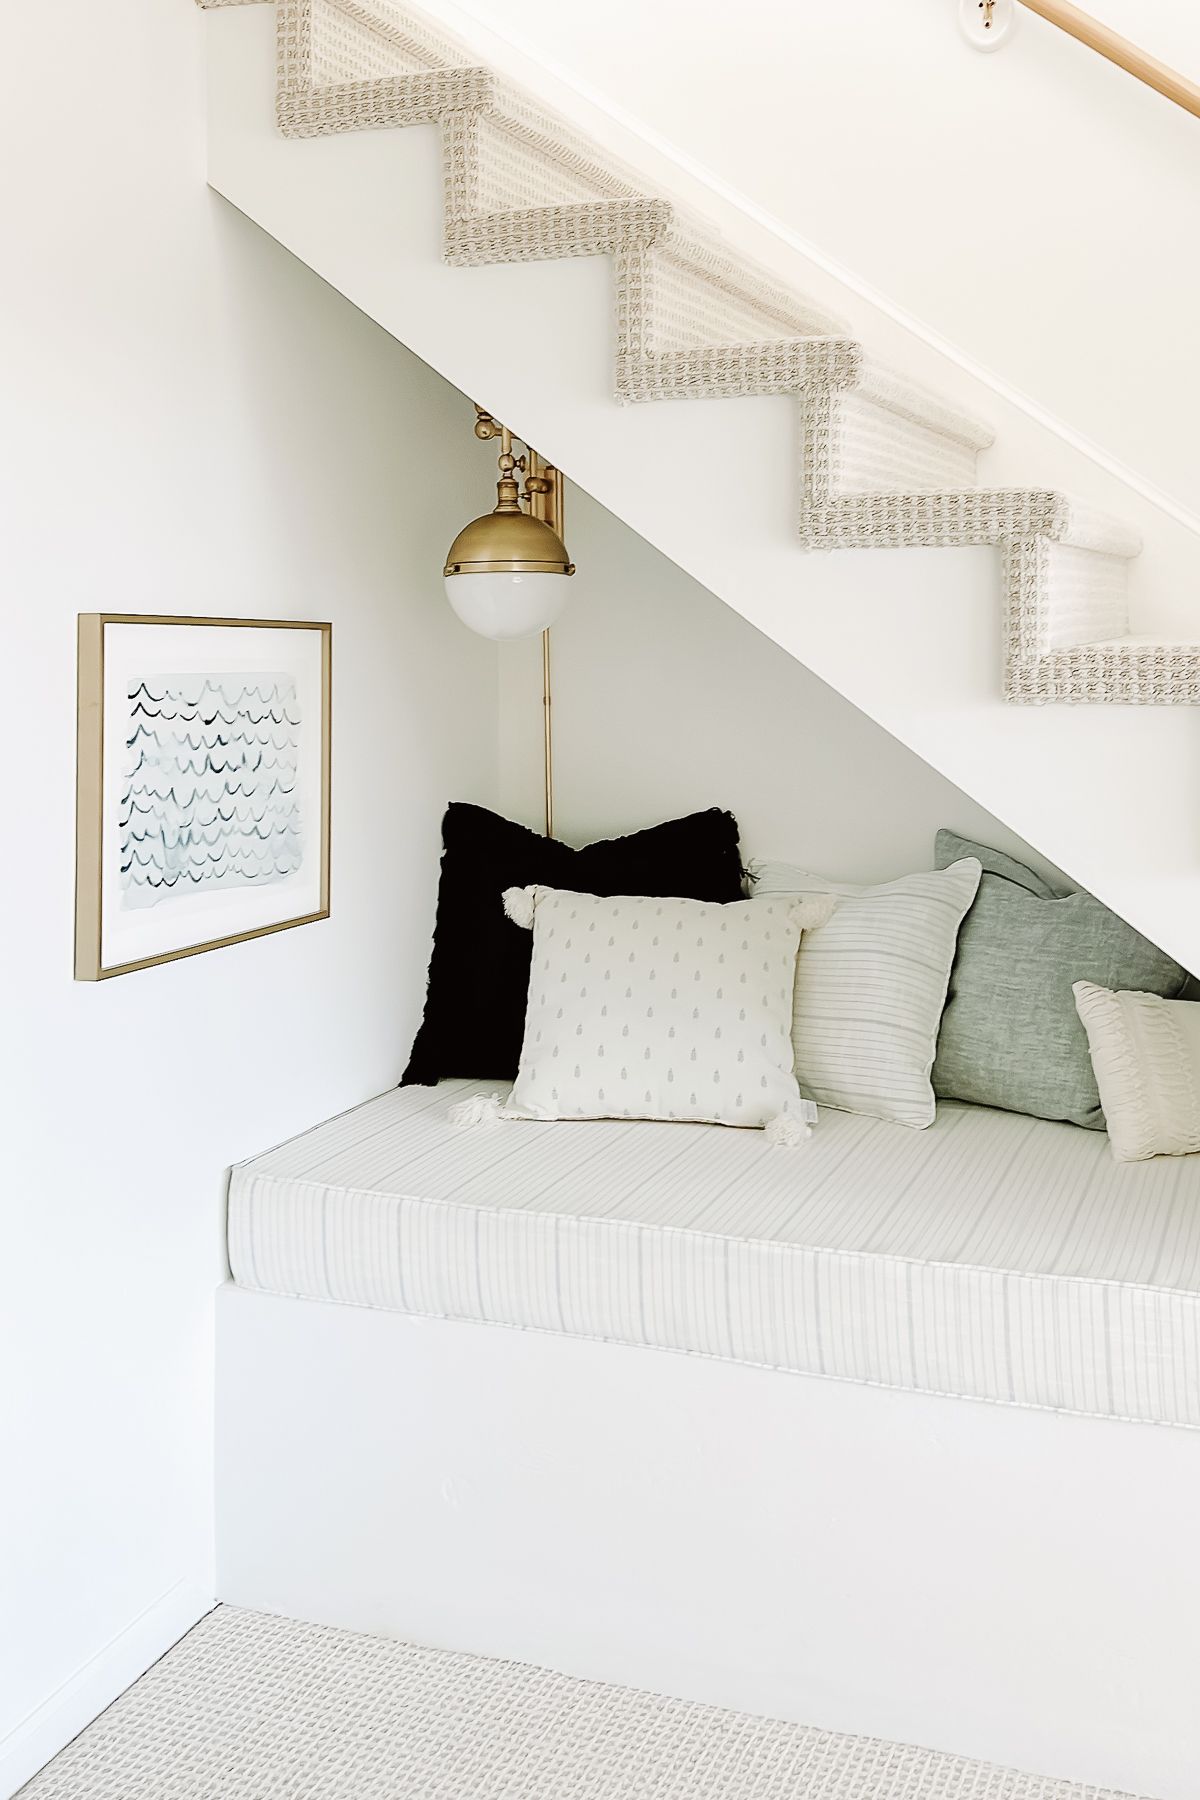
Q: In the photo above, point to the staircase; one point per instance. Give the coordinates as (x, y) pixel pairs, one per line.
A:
(876, 463)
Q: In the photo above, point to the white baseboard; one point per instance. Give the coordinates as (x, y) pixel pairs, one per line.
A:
(93, 1686)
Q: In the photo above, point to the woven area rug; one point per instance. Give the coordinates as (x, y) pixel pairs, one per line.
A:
(248, 1707)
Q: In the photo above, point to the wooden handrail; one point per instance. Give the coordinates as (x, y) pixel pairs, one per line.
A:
(1119, 50)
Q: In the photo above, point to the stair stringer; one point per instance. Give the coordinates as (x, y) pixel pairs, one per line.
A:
(692, 322)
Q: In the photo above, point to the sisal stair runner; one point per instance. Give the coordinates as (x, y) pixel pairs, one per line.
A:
(883, 464)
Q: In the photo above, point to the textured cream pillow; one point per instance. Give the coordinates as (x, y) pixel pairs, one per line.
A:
(1146, 1058)
(659, 1009)
(871, 987)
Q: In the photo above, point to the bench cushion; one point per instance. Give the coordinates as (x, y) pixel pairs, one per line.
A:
(993, 1257)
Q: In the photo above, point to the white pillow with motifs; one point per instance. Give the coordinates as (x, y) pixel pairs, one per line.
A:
(870, 987)
(1146, 1059)
(660, 1009)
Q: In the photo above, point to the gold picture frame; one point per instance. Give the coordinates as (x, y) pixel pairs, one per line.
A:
(225, 893)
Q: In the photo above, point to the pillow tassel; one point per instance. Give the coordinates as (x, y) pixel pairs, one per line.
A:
(814, 910)
(478, 1109)
(518, 905)
(786, 1132)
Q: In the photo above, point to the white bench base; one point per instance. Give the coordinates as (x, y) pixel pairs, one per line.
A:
(1017, 1586)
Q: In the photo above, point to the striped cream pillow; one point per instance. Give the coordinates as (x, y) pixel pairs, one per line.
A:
(871, 985)
(1146, 1057)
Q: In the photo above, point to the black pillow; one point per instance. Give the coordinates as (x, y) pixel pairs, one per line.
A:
(479, 970)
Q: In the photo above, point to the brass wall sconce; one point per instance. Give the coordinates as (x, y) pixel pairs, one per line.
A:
(506, 572)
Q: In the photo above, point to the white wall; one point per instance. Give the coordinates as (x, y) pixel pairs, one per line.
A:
(194, 424)
(666, 701)
(1036, 207)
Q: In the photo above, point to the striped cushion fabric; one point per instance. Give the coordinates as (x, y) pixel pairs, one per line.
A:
(871, 985)
(993, 1256)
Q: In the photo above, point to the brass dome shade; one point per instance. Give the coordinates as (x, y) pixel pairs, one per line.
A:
(508, 541)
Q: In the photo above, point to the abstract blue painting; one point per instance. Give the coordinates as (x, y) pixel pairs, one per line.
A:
(203, 785)
(209, 797)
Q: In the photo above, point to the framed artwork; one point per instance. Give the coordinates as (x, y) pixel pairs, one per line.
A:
(202, 798)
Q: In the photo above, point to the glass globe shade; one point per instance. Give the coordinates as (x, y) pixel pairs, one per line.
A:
(504, 605)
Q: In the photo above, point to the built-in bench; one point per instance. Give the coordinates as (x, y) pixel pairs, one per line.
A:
(878, 1553)
(992, 1257)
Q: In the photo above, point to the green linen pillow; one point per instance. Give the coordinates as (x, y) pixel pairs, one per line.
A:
(1010, 1034)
